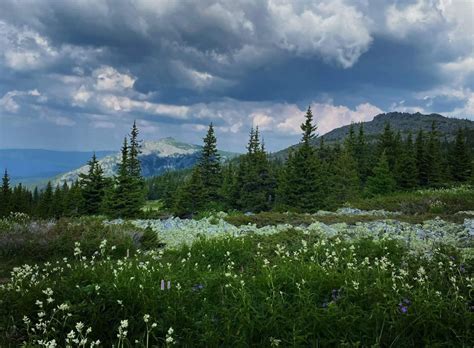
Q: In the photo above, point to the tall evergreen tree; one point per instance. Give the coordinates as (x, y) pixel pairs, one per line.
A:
(256, 183)
(210, 167)
(118, 202)
(382, 181)
(434, 158)
(136, 194)
(302, 188)
(388, 144)
(92, 187)
(422, 164)
(361, 153)
(460, 158)
(45, 209)
(5, 195)
(406, 169)
(344, 180)
(191, 198)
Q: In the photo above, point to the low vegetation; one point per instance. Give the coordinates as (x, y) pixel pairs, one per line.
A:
(295, 287)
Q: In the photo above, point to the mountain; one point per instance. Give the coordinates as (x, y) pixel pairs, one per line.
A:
(156, 158)
(34, 165)
(403, 122)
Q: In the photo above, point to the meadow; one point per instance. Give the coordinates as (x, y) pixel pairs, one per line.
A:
(89, 282)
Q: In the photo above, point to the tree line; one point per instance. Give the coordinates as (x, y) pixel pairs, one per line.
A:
(92, 194)
(312, 177)
(316, 177)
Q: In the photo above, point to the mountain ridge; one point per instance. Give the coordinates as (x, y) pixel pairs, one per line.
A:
(399, 121)
(156, 157)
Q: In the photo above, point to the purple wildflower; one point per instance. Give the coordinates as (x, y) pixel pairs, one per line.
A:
(404, 305)
(162, 284)
(198, 287)
(335, 294)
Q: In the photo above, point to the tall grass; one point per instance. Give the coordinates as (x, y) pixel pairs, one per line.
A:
(293, 288)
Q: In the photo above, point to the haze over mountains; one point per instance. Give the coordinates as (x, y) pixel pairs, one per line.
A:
(157, 157)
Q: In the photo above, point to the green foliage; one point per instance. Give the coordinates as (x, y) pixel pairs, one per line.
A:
(406, 168)
(301, 180)
(294, 288)
(93, 187)
(210, 167)
(343, 180)
(191, 197)
(461, 161)
(382, 182)
(445, 201)
(255, 187)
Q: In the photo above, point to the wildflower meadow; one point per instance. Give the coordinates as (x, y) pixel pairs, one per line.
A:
(209, 283)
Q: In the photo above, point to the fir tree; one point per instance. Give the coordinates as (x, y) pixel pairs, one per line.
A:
(362, 155)
(407, 176)
(210, 167)
(191, 197)
(255, 183)
(382, 181)
(422, 164)
(136, 194)
(118, 204)
(45, 209)
(93, 187)
(344, 180)
(388, 144)
(5, 195)
(460, 159)
(434, 158)
(302, 189)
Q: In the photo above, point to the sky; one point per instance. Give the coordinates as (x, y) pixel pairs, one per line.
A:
(74, 75)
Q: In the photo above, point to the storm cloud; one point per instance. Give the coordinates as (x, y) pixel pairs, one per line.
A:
(75, 74)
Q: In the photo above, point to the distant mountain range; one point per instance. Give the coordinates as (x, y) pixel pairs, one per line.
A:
(156, 158)
(34, 165)
(403, 122)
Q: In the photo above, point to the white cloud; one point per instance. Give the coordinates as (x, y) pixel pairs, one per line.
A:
(8, 102)
(109, 79)
(328, 116)
(81, 96)
(125, 104)
(332, 29)
(421, 15)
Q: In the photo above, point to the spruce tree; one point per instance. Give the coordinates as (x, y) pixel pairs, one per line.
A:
(5, 195)
(434, 158)
(422, 164)
(362, 155)
(45, 209)
(191, 198)
(460, 159)
(136, 194)
(388, 144)
(302, 190)
(382, 181)
(118, 204)
(406, 169)
(210, 167)
(92, 187)
(343, 180)
(256, 183)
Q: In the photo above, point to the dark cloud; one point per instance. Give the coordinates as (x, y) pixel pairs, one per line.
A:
(177, 65)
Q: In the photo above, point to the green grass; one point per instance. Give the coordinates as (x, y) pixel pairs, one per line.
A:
(442, 202)
(28, 241)
(291, 288)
